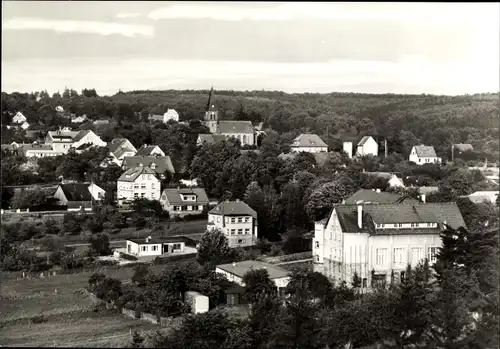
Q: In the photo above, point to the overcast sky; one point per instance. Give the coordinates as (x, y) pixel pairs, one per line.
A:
(439, 48)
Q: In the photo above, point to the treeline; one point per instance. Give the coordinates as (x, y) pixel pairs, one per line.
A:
(404, 120)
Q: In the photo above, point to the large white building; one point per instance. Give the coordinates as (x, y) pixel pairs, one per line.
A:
(63, 140)
(138, 182)
(378, 241)
(423, 154)
(236, 220)
(310, 143)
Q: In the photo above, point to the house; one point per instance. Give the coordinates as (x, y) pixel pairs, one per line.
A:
(393, 179)
(76, 196)
(239, 129)
(310, 143)
(209, 138)
(427, 190)
(63, 140)
(79, 119)
(375, 196)
(96, 192)
(423, 154)
(159, 164)
(234, 272)
(347, 148)
(119, 148)
(463, 147)
(236, 220)
(36, 150)
(150, 150)
(482, 196)
(138, 182)
(367, 146)
(155, 247)
(171, 114)
(378, 241)
(189, 182)
(183, 201)
(19, 118)
(22, 125)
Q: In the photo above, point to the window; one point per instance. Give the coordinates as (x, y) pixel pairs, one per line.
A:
(176, 246)
(317, 244)
(136, 186)
(143, 195)
(416, 255)
(247, 219)
(399, 255)
(400, 225)
(233, 220)
(317, 258)
(395, 225)
(154, 248)
(247, 231)
(381, 253)
(240, 231)
(143, 185)
(240, 219)
(233, 231)
(136, 195)
(176, 208)
(240, 241)
(402, 277)
(364, 283)
(432, 254)
(218, 219)
(413, 225)
(152, 185)
(144, 248)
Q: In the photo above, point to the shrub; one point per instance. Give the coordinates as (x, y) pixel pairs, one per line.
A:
(104, 263)
(128, 257)
(38, 319)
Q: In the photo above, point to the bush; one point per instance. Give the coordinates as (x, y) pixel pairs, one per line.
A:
(38, 319)
(105, 263)
(171, 259)
(69, 261)
(128, 257)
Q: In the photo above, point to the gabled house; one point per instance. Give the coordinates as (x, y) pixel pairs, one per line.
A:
(423, 154)
(63, 140)
(159, 164)
(119, 148)
(76, 196)
(484, 196)
(378, 241)
(138, 182)
(310, 143)
(392, 178)
(171, 114)
(236, 220)
(183, 201)
(375, 196)
(19, 118)
(156, 247)
(150, 150)
(367, 146)
(87, 137)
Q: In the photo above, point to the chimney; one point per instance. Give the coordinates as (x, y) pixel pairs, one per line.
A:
(422, 197)
(360, 215)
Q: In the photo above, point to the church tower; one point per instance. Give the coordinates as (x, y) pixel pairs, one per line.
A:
(211, 114)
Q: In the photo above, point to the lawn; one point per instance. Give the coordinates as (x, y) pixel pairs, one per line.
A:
(70, 319)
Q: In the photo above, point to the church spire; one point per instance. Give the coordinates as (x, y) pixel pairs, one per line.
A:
(210, 98)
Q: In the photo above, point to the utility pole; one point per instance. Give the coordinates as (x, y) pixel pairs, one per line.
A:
(452, 153)
(385, 147)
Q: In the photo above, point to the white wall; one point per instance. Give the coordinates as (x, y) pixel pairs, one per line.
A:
(396, 182)
(279, 282)
(347, 147)
(198, 302)
(137, 249)
(369, 148)
(96, 192)
(59, 194)
(423, 160)
(309, 149)
(90, 137)
(151, 189)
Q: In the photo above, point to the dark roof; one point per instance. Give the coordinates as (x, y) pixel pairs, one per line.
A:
(464, 146)
(399, 213)
(81, 134)
(211, 138)
(235, 126)
(241, 268)
(76, 191)
(364, 140)
(425, 151)
(131, 174)
(233, 208)
(145, 150)
(162, 163)
(308, 140)
(118, 147)
(173, 196)
(163, 240)
(371, 196)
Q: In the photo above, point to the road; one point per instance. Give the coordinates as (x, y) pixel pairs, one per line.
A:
(117, 243)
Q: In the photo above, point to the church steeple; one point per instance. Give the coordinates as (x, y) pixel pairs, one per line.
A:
(211, 113)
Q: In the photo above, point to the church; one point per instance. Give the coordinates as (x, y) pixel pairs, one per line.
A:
(225, 129)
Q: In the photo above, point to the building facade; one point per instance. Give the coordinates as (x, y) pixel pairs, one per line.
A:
(309, 143)
(236, 220)
(378, 241)
(367, 146)
(184, 201)
(138, 182)
(423, 154)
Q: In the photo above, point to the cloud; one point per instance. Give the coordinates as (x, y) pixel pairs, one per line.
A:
(128, 15)
(73, 26)
(432, 12)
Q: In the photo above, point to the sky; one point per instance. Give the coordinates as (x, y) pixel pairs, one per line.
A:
(414, 48)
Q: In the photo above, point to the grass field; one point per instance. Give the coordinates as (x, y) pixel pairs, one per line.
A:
(70, 319)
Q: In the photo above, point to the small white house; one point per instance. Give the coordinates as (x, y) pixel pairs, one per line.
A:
(96, 191)
(154, 247)
(171, 114)
(482, 196)
(367, 146)
(347, 147)
(19, 118)
(199, 303)
(423, 154)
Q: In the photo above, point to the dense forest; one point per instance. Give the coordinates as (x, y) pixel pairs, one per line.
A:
(402, 120)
